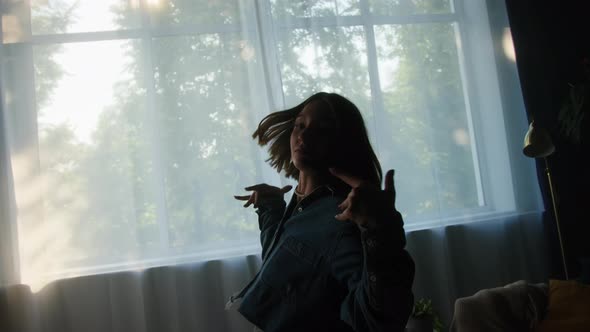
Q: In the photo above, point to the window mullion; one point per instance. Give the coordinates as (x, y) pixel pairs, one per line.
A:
(463, 45)
(267, 34)
(373, 67)
(156, 148)
(91, 36)
(19, 120)
(347, 21)
(270, 62)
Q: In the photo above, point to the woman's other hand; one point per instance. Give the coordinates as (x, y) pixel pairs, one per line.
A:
(261, 193)
(366, 203)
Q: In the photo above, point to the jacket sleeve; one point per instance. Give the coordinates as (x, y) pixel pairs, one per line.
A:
(378, 274)
(269, 216)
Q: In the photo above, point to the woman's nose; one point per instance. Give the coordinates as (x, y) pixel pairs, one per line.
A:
(304, 135)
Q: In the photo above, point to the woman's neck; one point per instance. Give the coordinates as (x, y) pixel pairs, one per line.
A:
(310, 181)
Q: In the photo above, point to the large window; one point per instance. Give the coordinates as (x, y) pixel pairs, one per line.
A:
(130, 121)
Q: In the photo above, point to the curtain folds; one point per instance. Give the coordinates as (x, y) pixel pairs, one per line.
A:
(9, 257)
(451, 262)
(188, 297)
(457, 261)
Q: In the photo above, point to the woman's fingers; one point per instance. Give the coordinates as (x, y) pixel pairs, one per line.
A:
(260, 192)
(252, 199)
(344, 205)
(344, 216)
(257, 186)
(286, 189)
(389, 186)
(248, 202)
(347, 209)
(365, 201)
(265, 188)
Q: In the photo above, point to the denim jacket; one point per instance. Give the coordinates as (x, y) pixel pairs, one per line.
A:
(322, 274)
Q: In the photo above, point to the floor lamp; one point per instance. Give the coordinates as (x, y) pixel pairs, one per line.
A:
(538, 144)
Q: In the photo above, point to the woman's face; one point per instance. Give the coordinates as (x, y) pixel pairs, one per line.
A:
(313, 139)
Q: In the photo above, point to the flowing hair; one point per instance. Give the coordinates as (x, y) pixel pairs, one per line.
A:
(353, 154)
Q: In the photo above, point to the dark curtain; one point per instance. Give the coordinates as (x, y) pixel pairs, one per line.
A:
(551, 40)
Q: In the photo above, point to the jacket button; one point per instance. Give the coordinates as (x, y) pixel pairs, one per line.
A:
(300, 209)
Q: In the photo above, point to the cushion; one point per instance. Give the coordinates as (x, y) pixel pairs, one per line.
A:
(508, 309)
(568, 308)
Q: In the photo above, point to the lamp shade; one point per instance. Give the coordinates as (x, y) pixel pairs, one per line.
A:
(537, 142)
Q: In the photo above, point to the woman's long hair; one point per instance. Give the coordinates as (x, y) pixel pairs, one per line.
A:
(353, 153)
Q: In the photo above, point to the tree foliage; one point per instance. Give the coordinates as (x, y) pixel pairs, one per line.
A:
(167, 155)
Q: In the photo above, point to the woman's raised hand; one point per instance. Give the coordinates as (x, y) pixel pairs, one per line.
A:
(262, 192)
(366, 203)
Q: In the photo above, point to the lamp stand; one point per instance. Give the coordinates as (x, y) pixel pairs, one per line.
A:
(556, 217)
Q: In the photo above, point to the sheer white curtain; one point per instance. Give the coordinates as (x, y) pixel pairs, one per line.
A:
(126, 130)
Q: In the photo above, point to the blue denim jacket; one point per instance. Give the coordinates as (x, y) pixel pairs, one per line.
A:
(322, 274)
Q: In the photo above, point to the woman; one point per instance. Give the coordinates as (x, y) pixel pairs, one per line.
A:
(333, 258)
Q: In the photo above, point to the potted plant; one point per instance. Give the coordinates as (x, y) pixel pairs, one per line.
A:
(424, 318)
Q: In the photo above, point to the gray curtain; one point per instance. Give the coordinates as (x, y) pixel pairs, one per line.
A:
(451, 262)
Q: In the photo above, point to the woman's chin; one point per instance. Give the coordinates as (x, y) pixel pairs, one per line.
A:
(311, 166)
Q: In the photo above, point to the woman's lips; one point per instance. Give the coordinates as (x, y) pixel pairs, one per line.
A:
(302, 151)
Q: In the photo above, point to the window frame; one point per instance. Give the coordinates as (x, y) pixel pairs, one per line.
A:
(495, 199)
